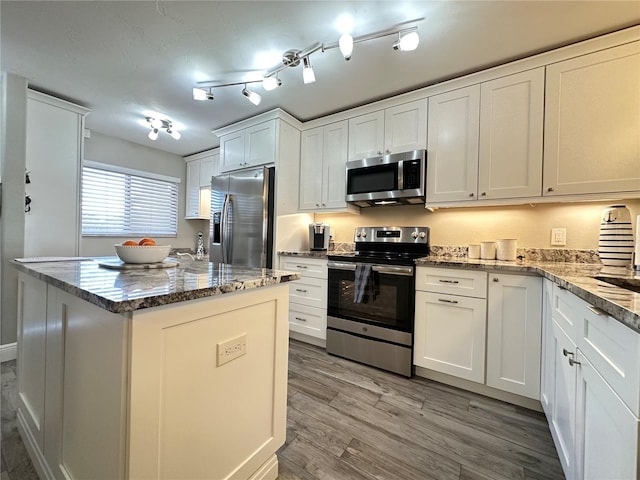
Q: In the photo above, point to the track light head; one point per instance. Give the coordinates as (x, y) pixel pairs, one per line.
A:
(202, 94)
(252, 96)
(346, 46)
(271, 83)
(153, 134)
(307, 72)
(407, 42)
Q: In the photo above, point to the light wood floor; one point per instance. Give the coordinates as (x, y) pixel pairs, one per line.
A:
(347, 421)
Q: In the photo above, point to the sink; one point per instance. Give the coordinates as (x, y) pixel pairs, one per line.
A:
(632, 284)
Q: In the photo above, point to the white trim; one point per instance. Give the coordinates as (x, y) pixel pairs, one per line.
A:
(129, 171)
(57, 102)
(8, 352)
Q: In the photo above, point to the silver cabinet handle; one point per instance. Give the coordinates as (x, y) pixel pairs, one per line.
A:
(573, 362)
(596, 310)
(301, 266)
(301, 319)
(447, 301)
(302, 290)
(448, 281)
(566, 352)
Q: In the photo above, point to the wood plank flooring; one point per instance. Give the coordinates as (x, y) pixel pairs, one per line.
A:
(347, 421)
(350, 421)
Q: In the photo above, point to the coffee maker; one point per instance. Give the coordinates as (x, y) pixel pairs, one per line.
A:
(319, 236)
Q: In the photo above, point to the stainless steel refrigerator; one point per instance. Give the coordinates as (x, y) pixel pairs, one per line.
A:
(241, 230)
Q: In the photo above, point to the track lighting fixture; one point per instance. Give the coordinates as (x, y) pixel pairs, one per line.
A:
(307, 72)
(346, 46)
(157, 124)
(407, 40)
(252, 96)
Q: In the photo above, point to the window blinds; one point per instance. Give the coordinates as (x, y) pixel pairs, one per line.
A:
(117, 202)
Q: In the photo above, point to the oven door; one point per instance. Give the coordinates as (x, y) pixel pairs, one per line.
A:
(388, 302)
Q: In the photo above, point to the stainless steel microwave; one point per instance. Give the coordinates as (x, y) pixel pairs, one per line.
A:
(393, 179)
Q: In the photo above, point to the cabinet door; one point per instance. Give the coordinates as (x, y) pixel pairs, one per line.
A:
(450, 335)
(53, 152)
(607, 431)
(563, 420)
(335, 141)
(206, 172)
(311, 169)
(514, 316)
(592, 122)
(215, 164)
(260, 144)
(366, 135)
(308, 320)
(232, 151)
(405, 127)
(452, 158)
(192, 190)
(546, 369)
(511, 125)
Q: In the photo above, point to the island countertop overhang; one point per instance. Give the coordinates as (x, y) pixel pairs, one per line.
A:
(122, 291)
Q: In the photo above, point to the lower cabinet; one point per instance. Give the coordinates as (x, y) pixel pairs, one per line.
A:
(307, 298)
(592, 414)
(485, 334)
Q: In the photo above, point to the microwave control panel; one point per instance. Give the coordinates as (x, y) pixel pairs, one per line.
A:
(411, 174)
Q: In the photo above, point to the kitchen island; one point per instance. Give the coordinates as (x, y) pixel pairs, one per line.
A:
(169, 373)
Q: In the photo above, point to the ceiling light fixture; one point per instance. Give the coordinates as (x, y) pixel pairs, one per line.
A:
(157, 124)
(307, 72)
(346, 46)
(407, 40)
(252, 96)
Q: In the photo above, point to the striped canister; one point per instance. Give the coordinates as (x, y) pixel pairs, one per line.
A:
(616, 236)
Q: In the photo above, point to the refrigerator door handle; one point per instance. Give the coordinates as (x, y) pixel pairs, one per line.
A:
(230, 214)
(223, 228)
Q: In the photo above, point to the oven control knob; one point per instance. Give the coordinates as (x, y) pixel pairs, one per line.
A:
(422, 234)
(358, 234)
(364, 234)
(414, 234)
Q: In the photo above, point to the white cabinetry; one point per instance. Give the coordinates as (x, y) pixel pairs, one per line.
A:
(485, 141)
(308, 298)
(514, 322)
(450, 322)
(592, 122)
(249, 147)
(592, 374)
(55, 130)
(322, 167)
(396, 129)
(200, 169)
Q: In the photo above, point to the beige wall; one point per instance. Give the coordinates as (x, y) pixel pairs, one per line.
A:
(530, 225)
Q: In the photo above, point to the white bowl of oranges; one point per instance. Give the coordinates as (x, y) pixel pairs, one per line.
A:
(144, 250)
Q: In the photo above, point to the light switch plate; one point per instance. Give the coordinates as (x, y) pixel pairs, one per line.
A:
(558, 236)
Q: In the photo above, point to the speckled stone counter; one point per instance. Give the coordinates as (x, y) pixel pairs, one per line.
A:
(126, 291)
(307, 254)
(620, 303)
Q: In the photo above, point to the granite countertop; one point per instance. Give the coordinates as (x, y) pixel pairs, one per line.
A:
(121, 291)
(620, 303)
(308, 253)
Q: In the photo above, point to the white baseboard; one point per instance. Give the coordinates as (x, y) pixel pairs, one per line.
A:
(8, 352)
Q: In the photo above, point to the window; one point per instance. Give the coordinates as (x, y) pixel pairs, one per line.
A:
(122, 202)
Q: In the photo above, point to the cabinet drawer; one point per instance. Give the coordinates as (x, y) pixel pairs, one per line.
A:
(614, 350)
(308, 320)
(309, 291)
(452, 281)
(565, 311)
(309, 267)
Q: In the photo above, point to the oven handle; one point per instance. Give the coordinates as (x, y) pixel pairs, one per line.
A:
(384, 269)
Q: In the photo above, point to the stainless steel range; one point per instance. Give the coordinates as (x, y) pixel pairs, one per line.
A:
(371, 297)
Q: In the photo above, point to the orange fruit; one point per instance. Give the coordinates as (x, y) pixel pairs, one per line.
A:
(147, 242)
(129, 242)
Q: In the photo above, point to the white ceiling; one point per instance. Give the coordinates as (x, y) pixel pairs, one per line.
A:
(124, 60)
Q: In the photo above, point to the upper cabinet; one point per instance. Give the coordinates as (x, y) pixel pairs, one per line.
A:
(200, 168)
(396, 129)
(322, 168)
(485, 141)
(249, 147)
(592, 140)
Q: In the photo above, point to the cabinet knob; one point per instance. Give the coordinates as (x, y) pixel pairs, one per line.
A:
(387, 151)
(550, 189)
(483, 194)
(573, 362)
(324, 205)
(496, 280)
(317, 205)
(471, 194)
(566, 352)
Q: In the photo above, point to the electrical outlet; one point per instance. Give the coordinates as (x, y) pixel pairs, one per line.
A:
(558, 236)
(231, 349)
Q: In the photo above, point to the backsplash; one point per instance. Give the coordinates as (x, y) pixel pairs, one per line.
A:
(533, 254)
